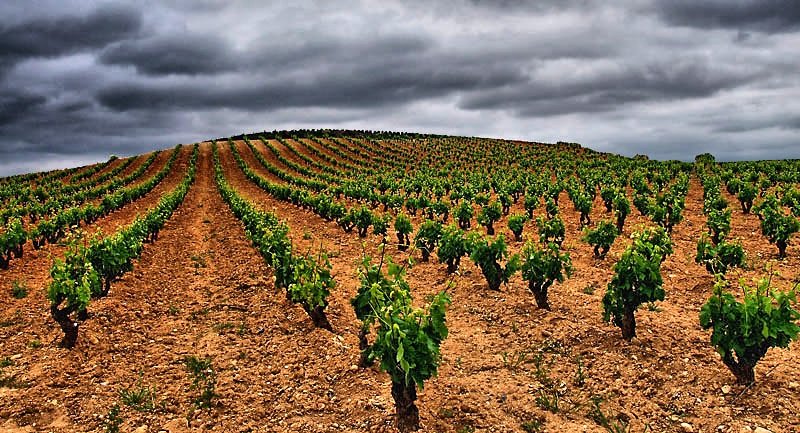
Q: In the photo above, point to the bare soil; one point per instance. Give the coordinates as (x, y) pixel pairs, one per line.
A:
(202, 290)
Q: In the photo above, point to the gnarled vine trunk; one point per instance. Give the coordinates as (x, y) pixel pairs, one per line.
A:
(363, 344)
(452, 264)
(319, 318)
(540, 294)
(402, 241)
(782, 248)
(68, 326)
(405, 409)
(628, 324)
(744, 367)
(493, 280)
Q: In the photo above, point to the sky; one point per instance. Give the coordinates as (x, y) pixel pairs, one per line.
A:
(82, 80)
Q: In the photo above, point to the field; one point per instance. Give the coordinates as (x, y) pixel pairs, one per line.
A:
(203, 314)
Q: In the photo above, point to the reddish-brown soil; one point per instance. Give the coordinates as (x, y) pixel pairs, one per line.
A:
(203, 290)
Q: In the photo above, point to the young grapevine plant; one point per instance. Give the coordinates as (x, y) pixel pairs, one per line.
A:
(601, 238)
(452, 246)
(719, 224)
(488, 215)
(403, 227)
(743, 331)
(12, 241)
(428, 237)
(408, 338)
(541, 267)
(622, 208)
(464, 213)
(487, 253)
(719, 257)
(516, 223)
(551, 229)
(637, 280)
(777, 226)
(311, 284)
(69, 293)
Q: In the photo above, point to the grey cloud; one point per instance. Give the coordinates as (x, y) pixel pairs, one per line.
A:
(609, 90)
(364, 74)
(67, 34)
(769, 16)
(792, 122)
(16, 106)
(172, 54)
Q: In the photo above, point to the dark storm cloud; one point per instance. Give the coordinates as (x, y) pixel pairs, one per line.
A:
(67, 34)
(759, 15)
(607, 90)
(666, 78)
(16, 106)
(393, 70)
(172, 54)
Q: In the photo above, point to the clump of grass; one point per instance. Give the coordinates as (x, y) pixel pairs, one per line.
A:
(113, 420)
(140, 397)
(204, 379)
(19, 290)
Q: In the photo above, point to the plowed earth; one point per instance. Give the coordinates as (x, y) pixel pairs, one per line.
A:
(202, 290)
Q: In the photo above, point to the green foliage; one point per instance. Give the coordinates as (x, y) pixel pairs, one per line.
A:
(622, 208)
(12, 239)
(363, 220)
(428, 237)
(505, 202)
(551, 207)
(653, 241)
(612, 424)
(452, 246)
(403, 227)
(531, 202)
(463, 214)
(488, 215)
(380, 224)
(608, 194)
(516, 223)
(408, 338)
(204, 379)
(791, 199)
(719, 257)
(642, 203)
(73, 282)
(541, 267)
(113, 420)
(551, 230)
(311, 285)
(776, 225)
(583, 204)
(743, 331)
(719, 224)
(601, 237)
(746, 194)
(637, 280)
(667, 208)
(487, 253)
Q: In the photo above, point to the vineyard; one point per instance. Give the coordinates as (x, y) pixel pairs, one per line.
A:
(330, 280)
